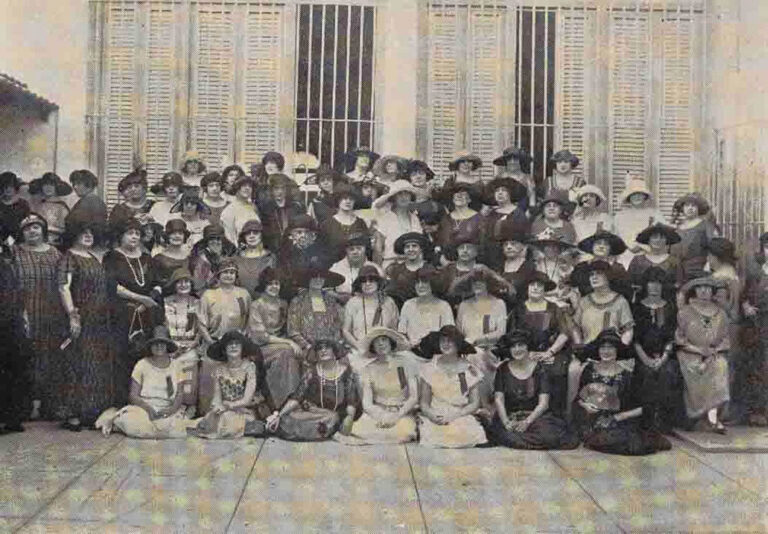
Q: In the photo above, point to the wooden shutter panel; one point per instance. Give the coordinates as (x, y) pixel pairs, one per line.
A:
(574, 85)
(263, 51)
(629, 111)
(120, 127)
(213, 115)
(160, 90)
(485, 83)
(443, 86)
(676, 143)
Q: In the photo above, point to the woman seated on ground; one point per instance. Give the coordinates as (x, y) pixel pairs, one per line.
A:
(325, 401)
(449, 392)
(522, 393)
(389, 383)
(607, 415)
(155, 410)
(241, 399)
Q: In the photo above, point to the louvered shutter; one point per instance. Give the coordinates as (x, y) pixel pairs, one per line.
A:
(120, 117)
(262, 80)
(485, 82)
(443, 88)
(574, 85)
(213, 114)
(629, 111)
(676, 143)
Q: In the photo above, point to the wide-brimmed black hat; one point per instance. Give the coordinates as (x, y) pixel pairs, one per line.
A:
(62, 188)
(380, 167)
(659, 228)
(610, 336)
(416, 165)
(511, 338)
(492, 283)
(370, 181)
(8, 178)
(176, 225)
(465, 156)
(366, 271)
(351, 156)
(182, 273)
(210, 178)
(160, 334)
(169, 178)
(542, 278)
(520, 154)
(517, 191)
(565, 155)
(191, 197)
(343, 190)
(136, 176)
(411, 237)
(548, 237)
(301, 277)
(559, 197)
(615, 243)
(275, 157)
(692, 198)
(430, 344)
(76, 228)
(301, 221)
(218, 351)
(722, 249)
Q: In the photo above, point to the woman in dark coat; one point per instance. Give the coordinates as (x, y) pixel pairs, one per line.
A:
(12, 207)
(136, 205)
(755, 308)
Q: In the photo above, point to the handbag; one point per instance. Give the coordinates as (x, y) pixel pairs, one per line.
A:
(137, 337)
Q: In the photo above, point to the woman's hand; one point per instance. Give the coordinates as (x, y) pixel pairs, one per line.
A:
(147, 302)
(521, 426)
(273, 421)
(508, 424)
(295, 348)
(589, 407)
(749, 309)
(75, 327)
(388, 420)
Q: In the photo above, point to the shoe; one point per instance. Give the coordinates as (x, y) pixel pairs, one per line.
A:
(719, 429)
(14, 427)
(72, 427)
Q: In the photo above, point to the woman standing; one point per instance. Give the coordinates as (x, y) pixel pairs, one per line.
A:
(522, 393)
(696, 231)
(603, 246)
(49, 190)
(508, 198)
(389, 383)
(556, 209)
(136, 205)
(241, 209)
(461, 219)
(323, 205)
(636, 211)
(755, 309)
(192, 170)
(389, 169)
(206, 256)
(463, 166)
(37, 265)
(516, 263)
(86, 297)
(193, 211)
(229, 176)
(702, 347)
(421, 177)
(563, 180)
(252, 258)
(449, 392)
(89, 206)
(136, 309)
(359, 163)
(608, 417)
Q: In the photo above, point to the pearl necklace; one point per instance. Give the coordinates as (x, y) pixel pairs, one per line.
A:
(133, 271)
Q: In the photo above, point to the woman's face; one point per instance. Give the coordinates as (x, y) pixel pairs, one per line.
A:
(607, 352)
(563, 167)
(391, 167)
(423, 288)
(363, 163)
(134, 192)
(215, 245)
(382, 346)
(513, 249)
(552, 210)
(461, 199)
(346, 204)
(245, 192)
(369, 285)
(412, 251)
(513, 165)
(253, 239)
(279, 193)
(653, 289)
(192, 167)
(419, 178)
(213, 189)
(184, 286)
(301, 234)
(326, 184)
(704, 292)
(131, 239)
(465, 167)
(85, 239)
(356, 253)
(368, 191)
(598, 279)
(501, 195)
(271, 167)
(189, 208)
(448, 346)
(690, 210)
(466, 252)
(81, 189)
(657, 241)
(234, 351)
(159, 348)
(9, 192)
(176, 239)
(273, 288)
(317, 283)
(49, 190)
(231, 176)
(518, 351)
(171, 191)
(637, 199)
(589, 200)
(601, 248)
(228, 277)
(535, 291)
(403, 199)
(325, 352)
(479, 287)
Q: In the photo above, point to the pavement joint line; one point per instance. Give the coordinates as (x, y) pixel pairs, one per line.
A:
(721, 473)
(37, 513)
(245, 485)
(613, 519)
(416, 487)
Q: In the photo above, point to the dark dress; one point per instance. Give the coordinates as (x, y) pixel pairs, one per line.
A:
(323, 207)
(322, 406)
(335, 235)
(14, 358)
(91, 357)
(89, 208)
(123, 212)
(518, 279)
(48, 327)
(755, 340)
(600, 431)
(691, 251)
(520, 399)
(12, 214)
(545, 327)
(658, 390)
(276, 219)
(130, 327)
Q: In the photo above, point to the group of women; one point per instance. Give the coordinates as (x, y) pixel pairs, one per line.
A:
(392, 306)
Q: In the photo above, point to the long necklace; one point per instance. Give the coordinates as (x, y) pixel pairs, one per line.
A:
(335, 384)
(140, 280)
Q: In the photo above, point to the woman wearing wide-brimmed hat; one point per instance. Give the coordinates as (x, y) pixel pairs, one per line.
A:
(414, 247)
(463, 217)
(463, 164)
(588, 216)
(603, 246)
(449, 392)
(47, 193)
(394, 215)
(133, 188)
(522, 391)
(369, 307)
(192, 169)
(325, 401)
(390, 391)
(636, 210)
(703, 342)
(154, 409)
(555, 257)
(358, 163)
(426, 311)
(657, 238)
(241, 209)
(337, 228)
(356, 249)
(252, 256)
(13, 208)
(563, 180)
(608, 417)
(301, 247)
(513, 258)
(390, 168)
(171, 186)
(508, 198)
(556, 211)
(515, 163)
(86, 298)
(194, 212)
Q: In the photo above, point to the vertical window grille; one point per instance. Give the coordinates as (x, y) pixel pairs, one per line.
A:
(334, 79)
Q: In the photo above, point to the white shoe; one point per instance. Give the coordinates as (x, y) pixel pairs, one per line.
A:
(104, 422)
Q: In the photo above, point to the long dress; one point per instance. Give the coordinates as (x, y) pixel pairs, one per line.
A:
(14, 358)
(658, 389)
(450, 393)
(756, 340)
(323, 400)
(39, 278)
(705, 380)
(91, 357)
(335, 235)
(389, 385)
(520, 399)
(130, 326)
(545, 327)
(600, 431)
(692, 249)
(181, 318)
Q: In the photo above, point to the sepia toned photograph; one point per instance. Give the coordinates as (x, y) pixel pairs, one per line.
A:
(383, 266)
